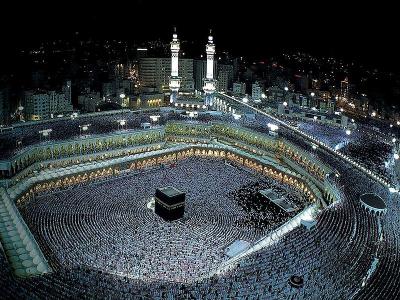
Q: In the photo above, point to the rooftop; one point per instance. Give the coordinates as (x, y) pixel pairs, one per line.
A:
(170, 191)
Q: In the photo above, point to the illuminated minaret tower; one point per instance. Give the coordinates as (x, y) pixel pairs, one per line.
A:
(175, 80)
(209, 81)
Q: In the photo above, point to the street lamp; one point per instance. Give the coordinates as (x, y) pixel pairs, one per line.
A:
(155, 118)
(45, 133)
(121, 123)
(84, 128)
(191, 115)
(272, 127)
(18, 113)
(236, 116)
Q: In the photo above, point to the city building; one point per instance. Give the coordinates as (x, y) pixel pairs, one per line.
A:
(147, 99)
(223, 81)
(239, 88)
(225, 77)
(156, 71)
(67, 91)
(302, 83)
(327, 105)
(127, 86)
(108, 90)
(256, 91)
(361, 104)
(275, 93)
(249, 75)
(89, 101)
(186, 73)
(344, 90)
(40, 105)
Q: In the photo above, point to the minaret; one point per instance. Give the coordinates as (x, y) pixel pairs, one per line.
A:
(209, 81)
(175, 80)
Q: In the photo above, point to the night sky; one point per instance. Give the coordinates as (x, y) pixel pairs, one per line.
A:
(366, 33)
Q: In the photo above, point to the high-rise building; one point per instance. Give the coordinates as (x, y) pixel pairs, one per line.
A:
(249, 74)
(155, 72)
(67, 91)
(344, 89)
(89, 101)
(37, 105)
(127, 85)
(199, 71)
(186, 74)
(148, 71)
(44, 104)
(256, 91)
(223, 81)
(239, 88)
(331, 105)
(225, 77)
(302, 83)
(59, 102)
(236, 65)
(108, 90)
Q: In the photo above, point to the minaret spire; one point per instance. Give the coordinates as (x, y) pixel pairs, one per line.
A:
(175, 80)
(209, 81)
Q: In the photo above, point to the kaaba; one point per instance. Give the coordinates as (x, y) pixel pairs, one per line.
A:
(169, 203)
